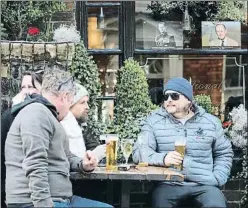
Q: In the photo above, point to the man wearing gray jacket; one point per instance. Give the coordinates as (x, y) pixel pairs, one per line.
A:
(38, 160)
(208, 156)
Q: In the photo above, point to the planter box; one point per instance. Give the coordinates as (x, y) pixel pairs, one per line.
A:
(34, 53)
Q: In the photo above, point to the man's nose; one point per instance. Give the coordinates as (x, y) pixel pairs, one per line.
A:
(87, 106)
(169, 98)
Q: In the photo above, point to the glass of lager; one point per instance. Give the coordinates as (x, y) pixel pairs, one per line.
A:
(143, 149)
(180, 146)
(111, 151)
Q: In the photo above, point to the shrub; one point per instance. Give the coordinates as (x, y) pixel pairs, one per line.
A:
(66, 33)
(205, 102)
(85, 70)
(132, 100)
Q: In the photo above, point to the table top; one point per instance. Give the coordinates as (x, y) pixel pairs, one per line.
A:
(150, 173)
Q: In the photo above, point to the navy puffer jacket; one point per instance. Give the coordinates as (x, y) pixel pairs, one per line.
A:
(208, 156)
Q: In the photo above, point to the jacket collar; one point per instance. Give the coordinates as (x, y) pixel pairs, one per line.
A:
(34, 98)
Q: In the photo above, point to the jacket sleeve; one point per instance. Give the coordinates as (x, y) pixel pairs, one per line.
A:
(36, 132)
(91, 142)
(222, 155)
(154, 157)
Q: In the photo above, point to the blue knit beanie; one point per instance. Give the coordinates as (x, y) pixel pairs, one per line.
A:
(180, 85)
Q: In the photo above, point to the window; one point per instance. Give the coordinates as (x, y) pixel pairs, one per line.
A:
(103, 24)
(137, 29)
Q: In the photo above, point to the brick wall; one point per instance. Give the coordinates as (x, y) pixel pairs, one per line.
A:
(66, 17)
(206, 76)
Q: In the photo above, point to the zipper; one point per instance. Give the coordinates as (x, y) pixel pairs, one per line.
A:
(185, 132)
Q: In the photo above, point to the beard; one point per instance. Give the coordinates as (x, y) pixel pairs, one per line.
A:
(82, 119)
(184, 109)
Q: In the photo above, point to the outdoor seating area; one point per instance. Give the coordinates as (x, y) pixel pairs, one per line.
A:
(143, 103)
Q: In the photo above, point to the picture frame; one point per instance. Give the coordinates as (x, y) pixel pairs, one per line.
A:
(222, 35)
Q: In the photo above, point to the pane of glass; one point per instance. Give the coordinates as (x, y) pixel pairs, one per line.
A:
(207, 76)
(232, 76)
(106, 110)
(153, 32)
(103, 27)
(108, 66)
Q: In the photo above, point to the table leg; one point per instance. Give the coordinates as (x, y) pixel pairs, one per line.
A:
(125, 193)
(110, 192)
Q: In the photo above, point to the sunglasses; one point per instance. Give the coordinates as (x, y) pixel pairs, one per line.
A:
(173, 96)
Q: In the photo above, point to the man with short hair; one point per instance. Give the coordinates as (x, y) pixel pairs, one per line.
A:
(223, 39)
(38, 160)
(208, 157)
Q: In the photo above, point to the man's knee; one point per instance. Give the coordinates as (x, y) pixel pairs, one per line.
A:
(211, 197)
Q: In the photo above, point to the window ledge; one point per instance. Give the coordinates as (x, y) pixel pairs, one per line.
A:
(211, 51)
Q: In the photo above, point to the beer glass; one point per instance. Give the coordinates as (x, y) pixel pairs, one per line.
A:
(127, 148)
(111, 151)
(143, 149)
(180, 146)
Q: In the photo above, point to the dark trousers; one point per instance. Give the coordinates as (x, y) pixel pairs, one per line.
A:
(167, 196)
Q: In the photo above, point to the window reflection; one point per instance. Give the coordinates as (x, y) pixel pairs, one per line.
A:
(103, 24)
(208, 74)
(108, 66)
(152, 33)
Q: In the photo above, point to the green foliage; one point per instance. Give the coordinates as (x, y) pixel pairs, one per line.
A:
(3, 32)
(17, 16)
(205, 102)
(85, 70)
(174, 10)
(132, 100)
(232, 10)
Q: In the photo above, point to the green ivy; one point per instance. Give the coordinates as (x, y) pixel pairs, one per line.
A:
(205, 102)
(4, 35)
(85, 70)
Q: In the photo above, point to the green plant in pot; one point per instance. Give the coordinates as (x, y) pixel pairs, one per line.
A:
(205, 102)
(132, 101)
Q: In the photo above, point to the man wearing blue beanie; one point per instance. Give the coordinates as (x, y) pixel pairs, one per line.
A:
(205, 157)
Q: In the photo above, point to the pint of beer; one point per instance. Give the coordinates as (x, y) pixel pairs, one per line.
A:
(180, 146)
(111, 151)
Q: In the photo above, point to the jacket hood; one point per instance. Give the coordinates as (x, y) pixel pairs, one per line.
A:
(34, 98)
(198, 110)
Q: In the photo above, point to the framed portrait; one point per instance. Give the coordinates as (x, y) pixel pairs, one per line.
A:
(169, 34)
(225, 34)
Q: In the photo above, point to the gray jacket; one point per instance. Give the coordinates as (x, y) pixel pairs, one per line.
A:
(208, 157)
(38, 159)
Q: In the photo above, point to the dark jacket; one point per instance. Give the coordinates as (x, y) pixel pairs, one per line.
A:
(6, 121)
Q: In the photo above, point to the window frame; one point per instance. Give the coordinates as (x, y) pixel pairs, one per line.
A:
(127, 35)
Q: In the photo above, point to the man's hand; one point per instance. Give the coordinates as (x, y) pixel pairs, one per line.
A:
(100, 151)
(173, 158)
(89, 161)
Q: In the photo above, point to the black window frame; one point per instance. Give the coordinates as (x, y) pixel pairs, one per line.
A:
(127, 36)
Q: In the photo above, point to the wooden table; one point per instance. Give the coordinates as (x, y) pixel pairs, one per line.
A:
(150, 173)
